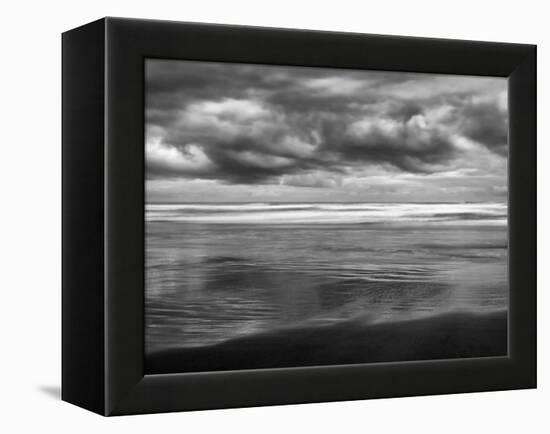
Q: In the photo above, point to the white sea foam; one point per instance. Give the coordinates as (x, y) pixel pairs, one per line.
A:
(331, 213)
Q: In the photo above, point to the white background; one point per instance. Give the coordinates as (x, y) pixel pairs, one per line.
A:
(30, 186)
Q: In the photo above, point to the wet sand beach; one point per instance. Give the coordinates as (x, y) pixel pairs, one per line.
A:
(453, 335)
(244, 286)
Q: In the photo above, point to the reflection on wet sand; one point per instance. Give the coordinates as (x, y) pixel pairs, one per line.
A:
(210, 285)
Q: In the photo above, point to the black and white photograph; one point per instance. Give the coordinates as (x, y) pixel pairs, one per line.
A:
(299, 216)
(275, 217)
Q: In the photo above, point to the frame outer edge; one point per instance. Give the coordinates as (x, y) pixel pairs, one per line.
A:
(82, 223)
(523, 215)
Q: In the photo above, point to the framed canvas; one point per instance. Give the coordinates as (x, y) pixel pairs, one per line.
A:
(256, 216)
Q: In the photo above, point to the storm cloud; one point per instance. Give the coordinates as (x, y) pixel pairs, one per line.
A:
(297, 127)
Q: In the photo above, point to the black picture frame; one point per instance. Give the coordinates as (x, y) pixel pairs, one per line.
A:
(103, 216)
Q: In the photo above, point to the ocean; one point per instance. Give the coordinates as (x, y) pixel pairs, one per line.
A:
(218, 272)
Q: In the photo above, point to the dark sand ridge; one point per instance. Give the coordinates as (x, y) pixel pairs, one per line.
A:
(448, 336)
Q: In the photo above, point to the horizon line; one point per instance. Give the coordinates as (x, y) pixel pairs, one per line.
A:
(320, 202)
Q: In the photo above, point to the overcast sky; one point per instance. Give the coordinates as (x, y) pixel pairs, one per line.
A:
(222, 132)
